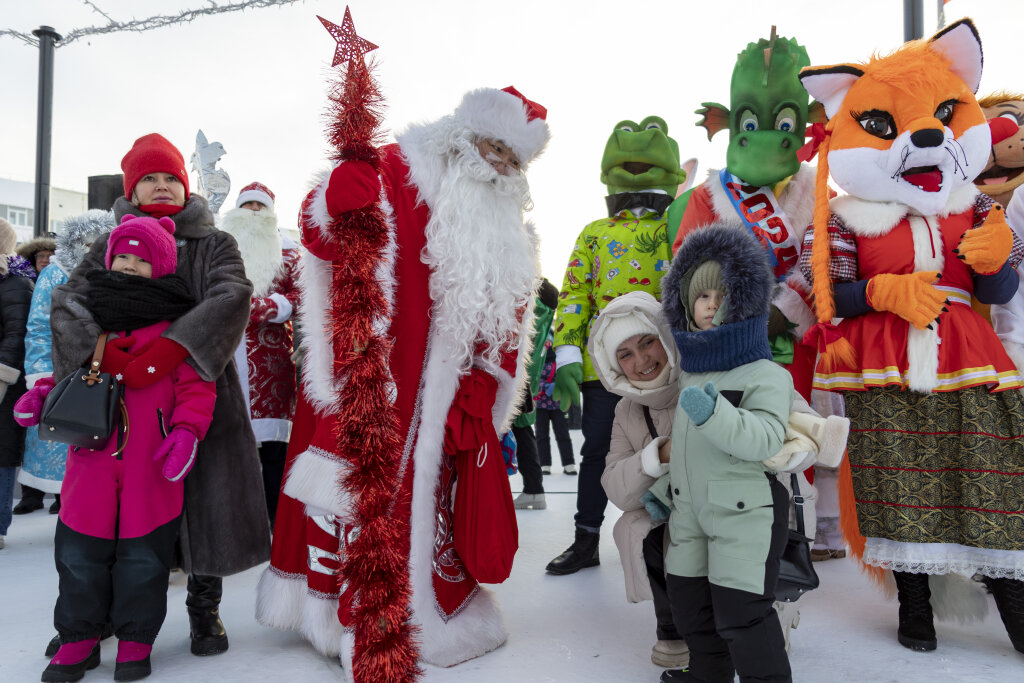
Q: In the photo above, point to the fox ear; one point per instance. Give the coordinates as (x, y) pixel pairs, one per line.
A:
(959, 43)
(829, 84)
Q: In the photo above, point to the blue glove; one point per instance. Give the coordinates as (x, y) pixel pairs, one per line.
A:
(699, 403)
(655, 508)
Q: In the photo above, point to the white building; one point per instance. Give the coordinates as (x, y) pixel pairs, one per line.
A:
(17, 200)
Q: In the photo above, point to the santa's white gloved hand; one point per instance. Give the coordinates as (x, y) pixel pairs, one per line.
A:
(177, 452)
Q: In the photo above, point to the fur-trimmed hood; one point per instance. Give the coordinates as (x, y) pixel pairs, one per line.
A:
(746, 277)
(29, 249)
(78, 233)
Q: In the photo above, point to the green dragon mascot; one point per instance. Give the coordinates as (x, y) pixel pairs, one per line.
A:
(764, 187)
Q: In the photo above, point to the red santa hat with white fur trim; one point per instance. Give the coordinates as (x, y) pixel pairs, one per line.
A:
(506, 115)
(256, 192)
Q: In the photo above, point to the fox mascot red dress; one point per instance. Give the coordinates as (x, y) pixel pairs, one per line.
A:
(936, 448)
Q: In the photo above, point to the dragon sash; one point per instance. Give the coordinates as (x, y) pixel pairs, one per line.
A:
(765, 219)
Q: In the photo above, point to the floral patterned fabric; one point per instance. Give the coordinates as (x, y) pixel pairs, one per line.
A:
(939, 468)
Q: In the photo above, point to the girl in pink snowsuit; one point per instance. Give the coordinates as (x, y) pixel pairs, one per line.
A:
(121, 508)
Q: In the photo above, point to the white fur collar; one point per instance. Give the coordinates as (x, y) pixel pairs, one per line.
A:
(873, 219)
(423, 148)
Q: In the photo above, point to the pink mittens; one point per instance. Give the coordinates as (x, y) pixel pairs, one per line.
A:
(178, 453)
(28, 408)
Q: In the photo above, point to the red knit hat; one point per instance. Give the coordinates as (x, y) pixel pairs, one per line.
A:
(148, 238)
(152, 153)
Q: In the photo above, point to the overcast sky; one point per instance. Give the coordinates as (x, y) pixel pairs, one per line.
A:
(256, 80)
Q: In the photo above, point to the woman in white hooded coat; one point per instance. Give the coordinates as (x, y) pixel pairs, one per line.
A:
(633, 323)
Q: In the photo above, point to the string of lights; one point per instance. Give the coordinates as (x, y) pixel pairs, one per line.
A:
(147, 24)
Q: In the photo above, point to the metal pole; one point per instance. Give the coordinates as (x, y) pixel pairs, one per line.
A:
(942, 14)
(913, 19)
(47, 38)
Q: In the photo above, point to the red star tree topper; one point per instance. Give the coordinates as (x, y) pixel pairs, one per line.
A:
(376, 561)
(350, 46)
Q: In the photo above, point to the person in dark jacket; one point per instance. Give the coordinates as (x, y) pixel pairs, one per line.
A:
(224, 528)
(37, 252)
(16, 281)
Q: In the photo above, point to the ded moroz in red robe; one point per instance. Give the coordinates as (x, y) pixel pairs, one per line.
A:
(301, 590)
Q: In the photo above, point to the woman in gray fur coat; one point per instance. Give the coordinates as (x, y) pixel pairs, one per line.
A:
(224, 525)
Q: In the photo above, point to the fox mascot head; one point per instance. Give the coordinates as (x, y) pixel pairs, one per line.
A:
(905, 128)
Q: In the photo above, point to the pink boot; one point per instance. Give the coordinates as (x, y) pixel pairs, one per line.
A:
(132, 661)
(73, 660)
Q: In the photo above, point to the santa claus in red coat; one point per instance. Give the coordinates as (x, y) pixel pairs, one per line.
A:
(458, 278)
(266, 350)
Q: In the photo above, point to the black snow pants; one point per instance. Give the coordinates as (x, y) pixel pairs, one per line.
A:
(121, 581)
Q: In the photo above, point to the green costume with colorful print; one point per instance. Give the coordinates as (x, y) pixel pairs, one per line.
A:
(627, 251)
(612, 256)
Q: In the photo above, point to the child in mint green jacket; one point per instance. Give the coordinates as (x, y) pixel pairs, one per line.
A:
(729, 516)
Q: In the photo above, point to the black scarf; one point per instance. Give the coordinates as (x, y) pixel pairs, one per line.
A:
(128, 302)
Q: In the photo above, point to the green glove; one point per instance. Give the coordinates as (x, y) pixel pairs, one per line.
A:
(568, 379)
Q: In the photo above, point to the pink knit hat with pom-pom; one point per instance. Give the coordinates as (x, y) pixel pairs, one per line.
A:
(148, 238)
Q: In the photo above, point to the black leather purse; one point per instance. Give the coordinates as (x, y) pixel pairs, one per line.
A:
(84, 408)
(796, 571)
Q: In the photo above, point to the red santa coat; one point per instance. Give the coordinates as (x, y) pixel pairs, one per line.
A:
(458, 619)
(268, 350)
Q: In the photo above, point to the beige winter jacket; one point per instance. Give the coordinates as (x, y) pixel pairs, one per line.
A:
(632, 465)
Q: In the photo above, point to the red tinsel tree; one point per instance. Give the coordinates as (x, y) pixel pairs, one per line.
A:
(377, 553)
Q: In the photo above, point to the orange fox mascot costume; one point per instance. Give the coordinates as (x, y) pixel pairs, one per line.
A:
(936, 448)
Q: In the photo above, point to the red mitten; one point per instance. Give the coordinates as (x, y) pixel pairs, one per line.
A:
(177, 452)
(117, 354)
(263, 310)
(28, 408)
(153, 362)
(353, 185)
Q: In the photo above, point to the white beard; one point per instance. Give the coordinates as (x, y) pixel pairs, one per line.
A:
(483, 258)
(259, 241)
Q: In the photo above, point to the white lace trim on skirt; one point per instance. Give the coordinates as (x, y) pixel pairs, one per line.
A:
(944, 558)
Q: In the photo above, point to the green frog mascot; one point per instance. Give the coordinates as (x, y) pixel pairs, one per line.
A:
(627, 251)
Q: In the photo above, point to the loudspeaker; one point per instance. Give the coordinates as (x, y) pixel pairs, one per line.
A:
(104, 189)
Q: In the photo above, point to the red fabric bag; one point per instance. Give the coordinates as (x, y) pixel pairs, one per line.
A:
(486, 534)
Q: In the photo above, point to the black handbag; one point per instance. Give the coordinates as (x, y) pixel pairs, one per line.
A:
(84, 408)
(796, 571)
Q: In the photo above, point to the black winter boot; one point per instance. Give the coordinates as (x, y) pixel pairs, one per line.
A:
(917, 630)
(1009, 596)
(581, 554)
(31, 500)
(203, 601)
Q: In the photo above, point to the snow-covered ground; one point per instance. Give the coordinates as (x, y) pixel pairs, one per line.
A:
(562, 628)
